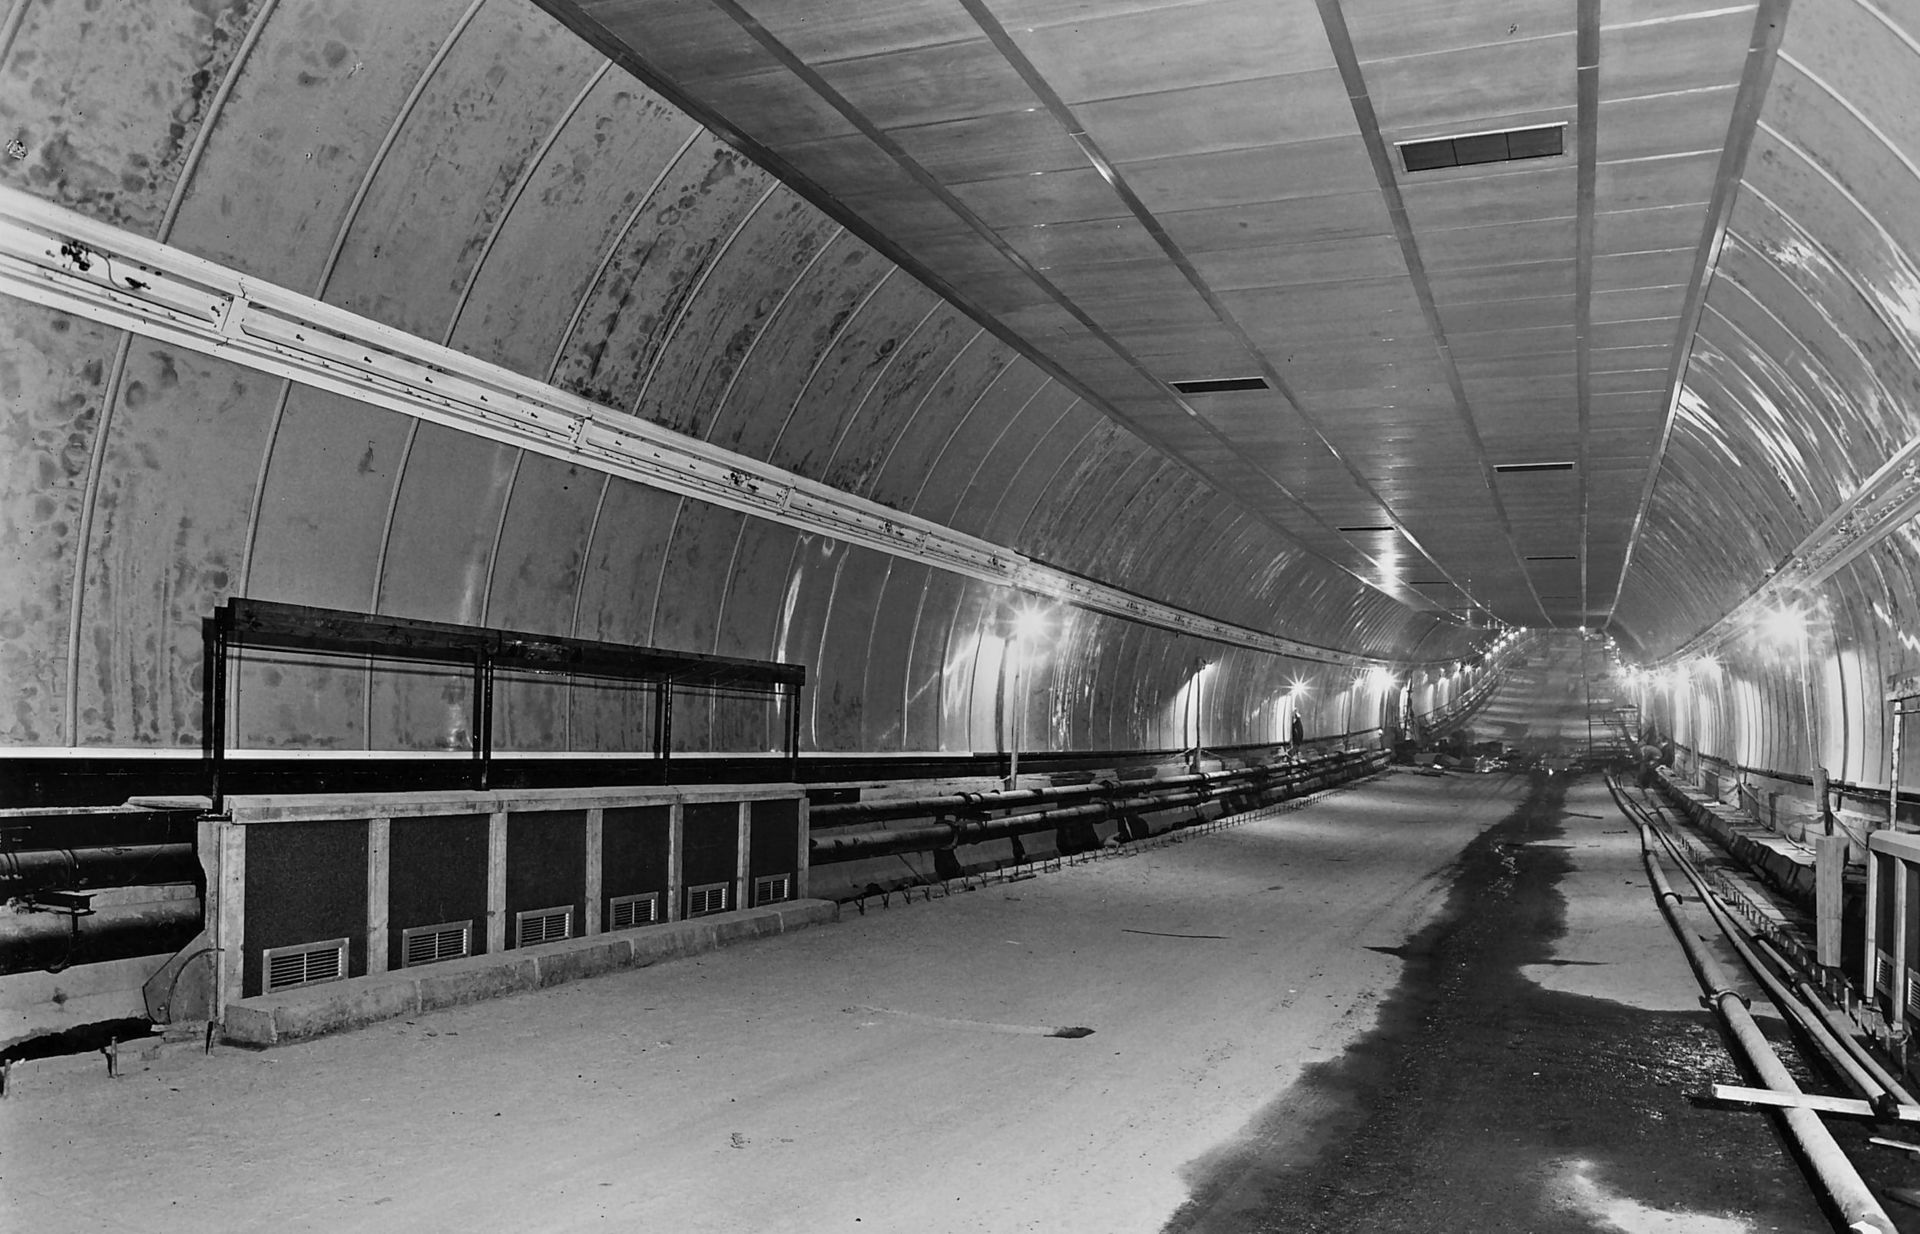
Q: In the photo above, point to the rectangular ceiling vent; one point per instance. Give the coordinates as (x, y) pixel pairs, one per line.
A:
(1471, 149)
(1381, 527)
(1512, 469)
(1558, 557)
(1220, 385)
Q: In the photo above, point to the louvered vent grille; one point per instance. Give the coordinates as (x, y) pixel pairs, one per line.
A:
(306, 964)
(1882, 971)
(449, 940)
(773, 888)
(543, 925)
(1471, 149)
(711, 898)
(1913, 992)
(1220, 385)
(625, 912)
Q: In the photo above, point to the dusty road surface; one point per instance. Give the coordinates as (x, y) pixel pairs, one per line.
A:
(1417, 1004)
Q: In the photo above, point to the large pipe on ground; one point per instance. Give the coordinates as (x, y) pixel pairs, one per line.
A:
(55, 940)
(121, 865)
(1844, 1187)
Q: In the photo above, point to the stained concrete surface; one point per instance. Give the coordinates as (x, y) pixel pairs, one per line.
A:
(1512, 1084)
(881, 1075)
(858, 1077)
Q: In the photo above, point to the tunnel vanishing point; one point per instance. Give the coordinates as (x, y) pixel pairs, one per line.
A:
(477, 474)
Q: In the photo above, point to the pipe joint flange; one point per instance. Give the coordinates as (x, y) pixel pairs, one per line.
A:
(1713, 998)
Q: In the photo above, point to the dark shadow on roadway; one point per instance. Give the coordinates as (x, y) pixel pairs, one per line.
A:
(1474, 1103)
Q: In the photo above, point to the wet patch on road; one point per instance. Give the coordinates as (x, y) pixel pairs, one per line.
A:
(1484, 1102)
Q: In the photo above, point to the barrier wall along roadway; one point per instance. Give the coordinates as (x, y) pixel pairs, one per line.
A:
(1893, 925)
(318, 888)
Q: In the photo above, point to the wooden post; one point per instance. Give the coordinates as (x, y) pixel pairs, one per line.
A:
(379, 838)
(802, 863)
(676, 854)
(1897, 987)
(742, 854)
(1829, 865)
(1868, 962)
(230, 921)
(496, 882)
(596, 818)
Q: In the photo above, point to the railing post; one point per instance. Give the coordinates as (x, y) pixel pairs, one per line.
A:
(214, 649)
(663, 727)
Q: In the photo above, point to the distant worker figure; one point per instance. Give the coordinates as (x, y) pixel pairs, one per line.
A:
(1299, 733)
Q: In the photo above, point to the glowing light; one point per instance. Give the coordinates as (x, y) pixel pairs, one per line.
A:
(1381, 678)
(1030, 624)
(1786, 625)
(1298, 688)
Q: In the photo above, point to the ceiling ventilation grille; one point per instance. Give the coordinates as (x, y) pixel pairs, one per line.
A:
(449, 940)
(1559, 557)
(1522, 468)
(625, 912)
(1472, 149)
(542, 925)
(1380, 527)
(304, 964)
(1220, 385)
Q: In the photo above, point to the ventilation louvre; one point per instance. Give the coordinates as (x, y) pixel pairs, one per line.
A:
(709, 898)
(1556, 557)
(1473, 149)
(1220, 385)
(1509, 469)
(772, 889)
(450, 940)
(304, 964)
(1376, 527)
(542, 925)
(625, 912)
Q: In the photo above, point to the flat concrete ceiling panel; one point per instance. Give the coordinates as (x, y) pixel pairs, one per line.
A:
(1304, 220)
(926, 85)
(1472, 89)
(1263, 111)
(1308, 169)
(1186, 45)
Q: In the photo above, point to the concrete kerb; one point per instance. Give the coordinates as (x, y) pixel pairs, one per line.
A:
(311, 1011)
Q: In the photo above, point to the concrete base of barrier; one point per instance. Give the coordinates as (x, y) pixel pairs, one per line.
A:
(312, 1011)
(1781, 863)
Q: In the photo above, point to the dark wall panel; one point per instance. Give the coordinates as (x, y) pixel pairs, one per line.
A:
(710, 844)
(436, 872)
(634, 852)
(306, 883)
(546, 864)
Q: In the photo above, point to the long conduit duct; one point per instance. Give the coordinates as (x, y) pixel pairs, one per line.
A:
(1843, 1184)
(1820, 1022)
(1151, 795)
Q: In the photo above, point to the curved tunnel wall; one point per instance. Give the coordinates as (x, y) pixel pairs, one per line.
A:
(1804, 379)
(472, 175)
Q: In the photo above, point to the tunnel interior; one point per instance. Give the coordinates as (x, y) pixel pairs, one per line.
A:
(728, 454)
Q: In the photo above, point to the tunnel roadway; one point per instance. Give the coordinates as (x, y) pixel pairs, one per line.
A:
(1285, 1031)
